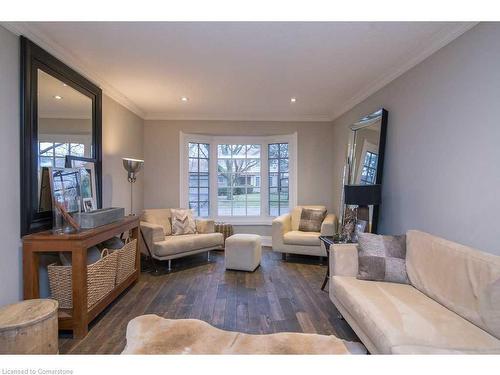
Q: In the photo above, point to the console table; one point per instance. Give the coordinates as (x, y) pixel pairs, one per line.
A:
(77, 318)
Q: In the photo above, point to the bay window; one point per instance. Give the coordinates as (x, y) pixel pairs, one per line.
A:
(244, 179)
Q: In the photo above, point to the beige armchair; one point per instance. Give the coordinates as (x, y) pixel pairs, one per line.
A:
(288, 239)
(162, 245)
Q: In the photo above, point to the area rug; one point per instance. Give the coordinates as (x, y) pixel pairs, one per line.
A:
(151, 334)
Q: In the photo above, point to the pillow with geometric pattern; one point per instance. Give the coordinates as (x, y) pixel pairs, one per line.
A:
(182, 222)
(382, 258)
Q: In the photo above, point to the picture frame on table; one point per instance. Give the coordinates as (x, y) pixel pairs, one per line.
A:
(88, 181)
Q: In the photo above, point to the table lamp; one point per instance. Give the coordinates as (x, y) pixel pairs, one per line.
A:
(362, 196)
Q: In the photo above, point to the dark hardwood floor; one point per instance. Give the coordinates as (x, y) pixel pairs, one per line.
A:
(278, 297)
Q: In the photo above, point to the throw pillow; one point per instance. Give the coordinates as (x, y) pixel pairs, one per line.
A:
(182, 222)
(311, 220)
(382, 258)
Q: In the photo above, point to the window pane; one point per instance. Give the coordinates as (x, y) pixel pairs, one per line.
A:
(204, 209)
(253, 202)
(46, 148)
(193, 150)
(193, 165)
(283, 150)
(283, 194)
(223, 151)
(199, 199)
(274, 150)
(46, 161)
(274, 208)
(61, 149)
(253, 151)
(283, 165)
(203, 179)
(273, 195)
(224, 179)
(204, 150)
(225, 165)
(77, 149)
(284, 207)
(60, 162)
(238, 151)
(203, 165)
(239, 179)
(273, 180)
(283, 180)
(251, 165)
(273, 165)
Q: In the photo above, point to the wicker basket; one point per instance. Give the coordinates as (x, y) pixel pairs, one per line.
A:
(101, 279)
(126, 261)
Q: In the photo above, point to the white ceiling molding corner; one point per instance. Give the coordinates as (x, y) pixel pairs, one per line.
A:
(31, 32)
(436, 44)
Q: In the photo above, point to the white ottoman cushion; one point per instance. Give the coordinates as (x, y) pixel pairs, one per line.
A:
(243, 252)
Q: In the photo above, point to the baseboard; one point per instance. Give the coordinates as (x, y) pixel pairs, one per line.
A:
(266, 241)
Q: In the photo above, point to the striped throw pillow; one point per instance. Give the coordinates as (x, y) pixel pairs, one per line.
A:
(182, 222)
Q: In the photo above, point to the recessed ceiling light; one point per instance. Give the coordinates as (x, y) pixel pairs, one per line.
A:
(58, 97)
(184, 98)
(293, 99)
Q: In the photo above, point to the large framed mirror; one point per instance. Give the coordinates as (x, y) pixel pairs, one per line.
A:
(365, 157)
(61, 115)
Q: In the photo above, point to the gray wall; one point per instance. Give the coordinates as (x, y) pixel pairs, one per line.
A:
(442, 171)
(122, 136)
(161, 152)
(10, 248)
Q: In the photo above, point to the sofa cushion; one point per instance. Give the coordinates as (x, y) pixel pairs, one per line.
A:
(182, 222)
(465, 280)
(382, 258)
(296, 237)
(394, 316)
(188, 242)
(159, 216)
(311, 220)
(297, 212)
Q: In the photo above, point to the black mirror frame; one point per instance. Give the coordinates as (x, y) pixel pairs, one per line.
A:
(33, 58)
(380, 166)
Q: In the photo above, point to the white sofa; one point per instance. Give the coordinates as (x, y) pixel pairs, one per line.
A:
(452, 305)
(157, 230)
(287, 238)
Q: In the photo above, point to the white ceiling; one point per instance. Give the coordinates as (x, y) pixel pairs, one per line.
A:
(241, 70)
(73, 104)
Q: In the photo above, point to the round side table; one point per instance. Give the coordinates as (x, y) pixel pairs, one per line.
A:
(29, 327)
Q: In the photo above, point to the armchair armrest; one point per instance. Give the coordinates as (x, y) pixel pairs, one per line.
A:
(329, 225)
(344, 260)
(152, 233)
(280, 226)
(205, 226)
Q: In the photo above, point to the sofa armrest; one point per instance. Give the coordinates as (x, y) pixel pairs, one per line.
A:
(205, 226)
(344, 260)
(280, 226)
(329, 225)
(152, 233)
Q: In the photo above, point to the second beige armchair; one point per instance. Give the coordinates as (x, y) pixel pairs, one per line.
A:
(288, 239)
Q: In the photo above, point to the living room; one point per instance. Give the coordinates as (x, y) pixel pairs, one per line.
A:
(249, 187)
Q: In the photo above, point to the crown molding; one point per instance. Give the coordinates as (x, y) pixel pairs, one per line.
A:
(436, 44)
(33, 33)
(221, 117)
(30, 31)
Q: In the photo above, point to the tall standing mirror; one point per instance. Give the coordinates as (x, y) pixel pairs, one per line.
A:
(61, 116)
(365, 156)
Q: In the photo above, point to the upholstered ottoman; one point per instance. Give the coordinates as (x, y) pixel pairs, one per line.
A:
(243, 252)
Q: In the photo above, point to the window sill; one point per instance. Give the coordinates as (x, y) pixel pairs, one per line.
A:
(264, 221)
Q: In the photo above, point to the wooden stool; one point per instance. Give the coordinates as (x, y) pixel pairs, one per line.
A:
(29, 327)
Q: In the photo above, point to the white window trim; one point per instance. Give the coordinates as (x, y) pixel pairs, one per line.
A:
(214, 140)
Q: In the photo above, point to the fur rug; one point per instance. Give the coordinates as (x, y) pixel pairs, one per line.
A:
(151, 334)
